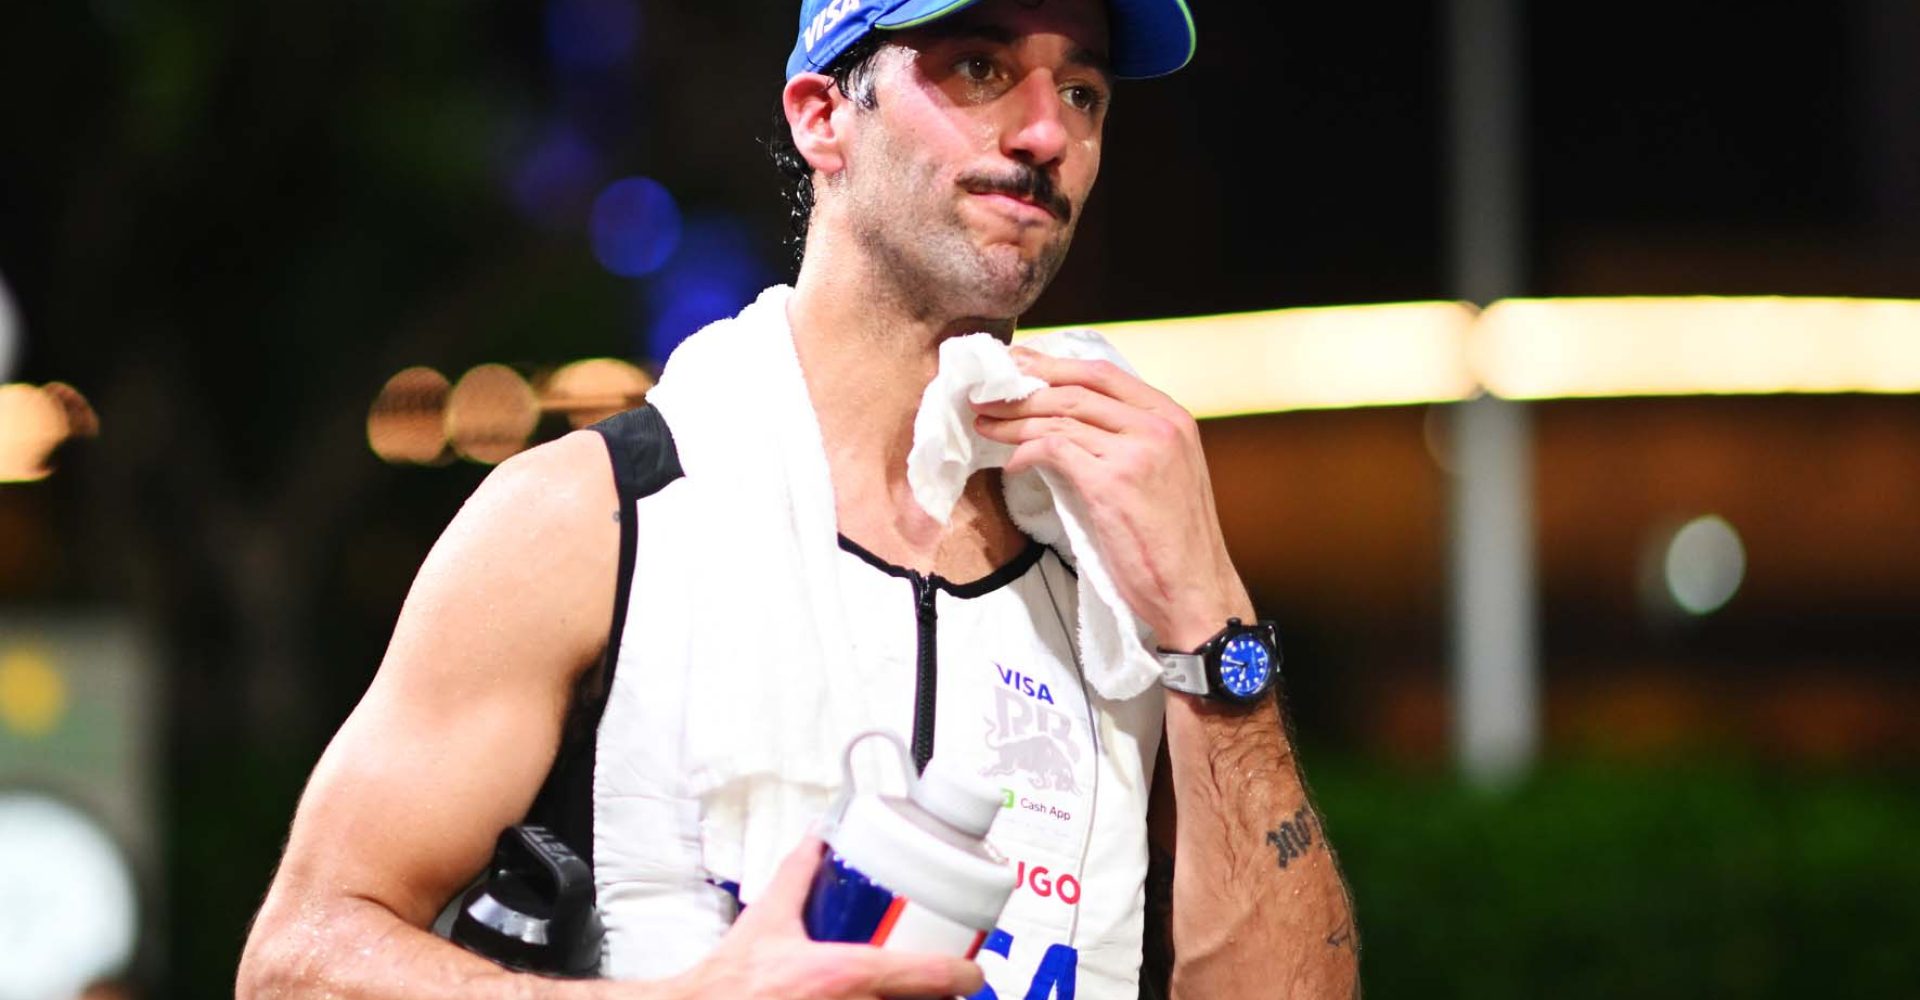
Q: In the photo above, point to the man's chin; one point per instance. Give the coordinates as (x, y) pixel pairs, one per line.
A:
(1009, 284)
(989, 277)
(1020, 269)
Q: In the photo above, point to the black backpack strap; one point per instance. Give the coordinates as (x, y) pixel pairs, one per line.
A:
(644, 462)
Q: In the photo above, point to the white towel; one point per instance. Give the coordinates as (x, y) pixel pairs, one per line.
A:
(780, 691)
(1115, 646)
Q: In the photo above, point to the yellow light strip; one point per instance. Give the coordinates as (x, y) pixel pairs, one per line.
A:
(1439, 352)
(1303, 359)
(1556, 348)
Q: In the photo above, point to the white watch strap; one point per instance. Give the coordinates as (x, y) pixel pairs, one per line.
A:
(1183, 672)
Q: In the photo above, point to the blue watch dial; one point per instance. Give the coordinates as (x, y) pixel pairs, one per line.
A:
(1245, 666)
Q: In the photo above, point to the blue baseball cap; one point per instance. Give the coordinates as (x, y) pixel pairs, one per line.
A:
(1150, 37)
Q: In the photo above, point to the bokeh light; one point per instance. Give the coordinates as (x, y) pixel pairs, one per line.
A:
(1704, 565)
(635, 226)
(82, 422)
(32, 424)
(1694, 345)
(591, 35)
(594, 389)
(9, 332)
(407, 421)
(1322, 357)
(33, 694)
(72, 896)
(552, 179)
(718, 270)
(491, 414)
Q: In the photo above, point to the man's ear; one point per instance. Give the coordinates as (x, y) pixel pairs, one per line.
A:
(809, 100)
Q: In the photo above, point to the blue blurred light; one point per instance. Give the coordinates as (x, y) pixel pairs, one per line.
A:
(552, 181)
(591, 35)
(692, 305)
(635, 226)
(718, 269)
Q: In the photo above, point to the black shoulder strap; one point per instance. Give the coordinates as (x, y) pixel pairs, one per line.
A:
(644, 462)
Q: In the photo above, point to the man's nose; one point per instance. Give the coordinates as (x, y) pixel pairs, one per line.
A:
(1037, 134)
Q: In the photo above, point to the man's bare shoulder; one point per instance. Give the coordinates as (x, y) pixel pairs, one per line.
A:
(531, 556)
(547, 485)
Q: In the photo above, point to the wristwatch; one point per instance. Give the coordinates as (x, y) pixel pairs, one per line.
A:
(1239, 665)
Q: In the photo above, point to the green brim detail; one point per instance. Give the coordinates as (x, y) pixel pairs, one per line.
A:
(1193, 35)
(1193, 46)
(943, 12)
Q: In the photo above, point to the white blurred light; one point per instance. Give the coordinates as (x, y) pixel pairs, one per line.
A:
(71, 908)
(9, 333)
(1704, 565)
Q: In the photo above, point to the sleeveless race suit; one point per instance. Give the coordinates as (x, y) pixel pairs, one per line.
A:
(986, 671)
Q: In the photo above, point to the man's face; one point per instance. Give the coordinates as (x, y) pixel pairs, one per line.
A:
(966, 181)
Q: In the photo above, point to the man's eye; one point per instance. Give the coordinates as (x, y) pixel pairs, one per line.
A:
(979, 69)
(1082, 97)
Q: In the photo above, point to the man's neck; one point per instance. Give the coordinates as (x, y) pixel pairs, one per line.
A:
(867, 351)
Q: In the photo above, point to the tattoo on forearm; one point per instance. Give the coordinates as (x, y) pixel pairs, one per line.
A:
(1294, 838)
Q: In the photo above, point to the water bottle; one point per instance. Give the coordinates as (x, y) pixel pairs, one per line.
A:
(912, 873)
(534, 909)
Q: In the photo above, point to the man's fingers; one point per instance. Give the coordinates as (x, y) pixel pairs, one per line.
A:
(1079, 402)
(1019, 431)
(903, 974)
(1104, 377)
(1057, 452)
(786, 893)
(850, 971)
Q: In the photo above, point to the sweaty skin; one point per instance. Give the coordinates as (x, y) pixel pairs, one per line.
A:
(943, 208)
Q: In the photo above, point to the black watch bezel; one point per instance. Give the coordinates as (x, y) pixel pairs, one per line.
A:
(1262, 631)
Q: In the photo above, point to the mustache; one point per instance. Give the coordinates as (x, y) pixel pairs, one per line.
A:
(1023, 182)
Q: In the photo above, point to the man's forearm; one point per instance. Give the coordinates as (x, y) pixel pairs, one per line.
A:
(355, 949)
(1259, 907)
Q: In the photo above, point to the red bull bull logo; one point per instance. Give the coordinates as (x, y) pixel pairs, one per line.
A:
(1033, 740)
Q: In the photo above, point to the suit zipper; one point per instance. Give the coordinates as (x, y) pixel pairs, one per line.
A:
(924, 588)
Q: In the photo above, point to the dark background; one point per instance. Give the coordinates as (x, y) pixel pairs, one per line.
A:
(228, 224)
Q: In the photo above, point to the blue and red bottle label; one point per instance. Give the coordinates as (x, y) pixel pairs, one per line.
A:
(845, 905)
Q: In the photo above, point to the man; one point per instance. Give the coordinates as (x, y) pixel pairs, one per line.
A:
(947, 152)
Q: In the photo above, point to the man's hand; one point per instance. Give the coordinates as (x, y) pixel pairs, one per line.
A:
(768, 956)
(1134, 454)
(1257, 904)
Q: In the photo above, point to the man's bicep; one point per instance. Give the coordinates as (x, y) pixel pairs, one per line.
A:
(459, 728)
